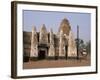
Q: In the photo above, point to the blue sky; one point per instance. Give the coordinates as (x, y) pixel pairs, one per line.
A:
(53, 20)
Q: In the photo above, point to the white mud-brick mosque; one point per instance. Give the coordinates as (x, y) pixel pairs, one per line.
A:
(48, 45)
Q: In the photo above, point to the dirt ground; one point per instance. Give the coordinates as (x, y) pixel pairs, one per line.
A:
(57, 63)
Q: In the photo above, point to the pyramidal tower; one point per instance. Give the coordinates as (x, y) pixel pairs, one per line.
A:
(61, 45)
(43, 35)
(34, 44)
(72, 50)
(51, 49)
(67, 45)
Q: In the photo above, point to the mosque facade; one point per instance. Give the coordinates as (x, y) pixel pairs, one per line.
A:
(49, 45)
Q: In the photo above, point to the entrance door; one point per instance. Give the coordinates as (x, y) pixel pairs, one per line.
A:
(41, 54)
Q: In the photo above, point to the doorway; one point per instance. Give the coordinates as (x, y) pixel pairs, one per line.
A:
(41, 55)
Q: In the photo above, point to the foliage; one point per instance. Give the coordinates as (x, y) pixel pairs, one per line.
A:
(82, 45)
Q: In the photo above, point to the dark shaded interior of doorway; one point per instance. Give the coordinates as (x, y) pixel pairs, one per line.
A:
(41, 55)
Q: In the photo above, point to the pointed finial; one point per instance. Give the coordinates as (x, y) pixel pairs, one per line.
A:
(43, 28)
(34, 29)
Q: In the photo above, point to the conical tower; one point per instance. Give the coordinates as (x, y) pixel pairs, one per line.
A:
(63, 32)
(72, 50)
(61, 45)
(51, 49)
(34, 44)
(43, 36)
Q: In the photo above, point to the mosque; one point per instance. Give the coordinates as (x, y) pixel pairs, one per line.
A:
(49, 45)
